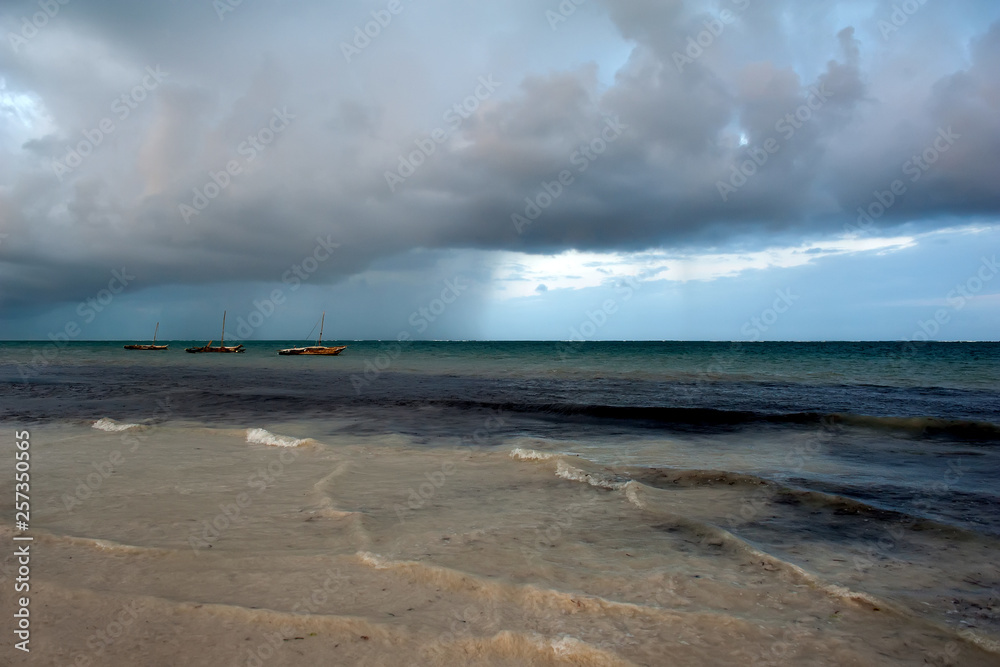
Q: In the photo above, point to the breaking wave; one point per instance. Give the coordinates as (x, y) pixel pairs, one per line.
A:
(112, 426)
(259, 436)
(522, 454)
(600, 480)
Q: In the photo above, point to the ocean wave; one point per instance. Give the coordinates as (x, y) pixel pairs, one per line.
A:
(374, 560)
(680, 477)
(779, 492)
(112, 426)
(617, 478)
(983, 642)
(714, 536)
(259, 436)
(528, 597)
(99, 544)
(334, 513)
(522, 454)
(603, 481)
(716, 418)
(972, 430)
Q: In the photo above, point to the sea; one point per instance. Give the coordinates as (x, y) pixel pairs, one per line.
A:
(505, 503)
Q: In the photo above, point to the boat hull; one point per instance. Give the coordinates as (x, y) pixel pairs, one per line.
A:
(314, 351)
(146, 347)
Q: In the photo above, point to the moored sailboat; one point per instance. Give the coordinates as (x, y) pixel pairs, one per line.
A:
(317, 349)
(222, 343)
(153, 346)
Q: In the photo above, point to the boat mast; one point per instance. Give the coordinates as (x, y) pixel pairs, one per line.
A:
(155, 331)
(322, 321)
(222, 343)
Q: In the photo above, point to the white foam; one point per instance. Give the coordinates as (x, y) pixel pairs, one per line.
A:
(567, 645)
(374, 560)
(632, 493)
(110, 425)
(576, 475)
(106, 545)
(982, 642)
(523, 454)
(841, 591)
(259, 436)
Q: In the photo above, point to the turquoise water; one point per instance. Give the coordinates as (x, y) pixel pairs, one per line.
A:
(952, 365)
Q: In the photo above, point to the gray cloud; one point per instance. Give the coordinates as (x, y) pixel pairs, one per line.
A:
(324, 174)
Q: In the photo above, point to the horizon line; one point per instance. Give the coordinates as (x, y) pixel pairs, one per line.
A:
(495, 340)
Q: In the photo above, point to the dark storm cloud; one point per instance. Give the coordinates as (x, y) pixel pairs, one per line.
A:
(689, 121)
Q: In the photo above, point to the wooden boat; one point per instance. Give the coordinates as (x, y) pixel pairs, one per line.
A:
(154, 346)
(222, 343)
(318, 348)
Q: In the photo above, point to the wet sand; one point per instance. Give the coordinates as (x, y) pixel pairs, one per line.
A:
(306, 544)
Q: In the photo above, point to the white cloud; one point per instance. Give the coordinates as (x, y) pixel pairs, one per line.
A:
(518, 274)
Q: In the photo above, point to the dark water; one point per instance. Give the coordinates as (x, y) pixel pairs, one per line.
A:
(939, 387)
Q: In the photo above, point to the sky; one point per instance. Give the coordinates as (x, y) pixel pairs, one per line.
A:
(510, 170)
